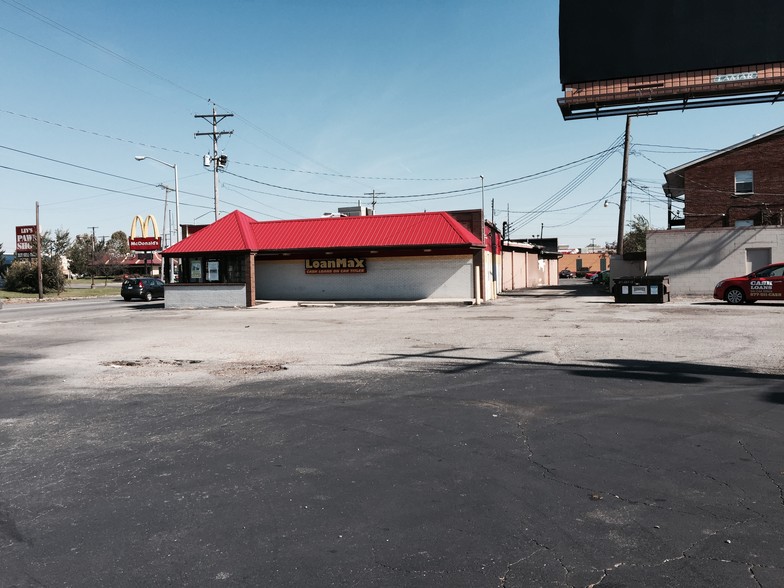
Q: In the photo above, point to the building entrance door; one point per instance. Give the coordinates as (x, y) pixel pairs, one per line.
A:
(757, 258)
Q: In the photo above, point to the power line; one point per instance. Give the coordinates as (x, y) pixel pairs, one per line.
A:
(74, 165)
(353, 177)
(75, 183)
(684, 149)
(87, 41)
(568, 188)
(96, 134)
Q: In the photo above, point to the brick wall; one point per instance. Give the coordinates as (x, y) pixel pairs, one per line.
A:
(710, 187)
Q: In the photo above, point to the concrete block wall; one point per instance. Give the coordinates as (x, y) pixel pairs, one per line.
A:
(696, 260)
(205, 295)
(387, 278)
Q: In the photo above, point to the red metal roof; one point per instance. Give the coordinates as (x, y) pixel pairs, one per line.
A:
(230, 233)
(238, 232)
(433, 229)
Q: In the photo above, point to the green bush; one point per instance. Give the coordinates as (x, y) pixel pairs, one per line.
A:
(22, 276)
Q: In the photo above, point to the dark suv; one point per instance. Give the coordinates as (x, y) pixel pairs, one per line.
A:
(144, 288)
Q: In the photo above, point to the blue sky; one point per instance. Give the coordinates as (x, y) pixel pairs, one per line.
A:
(331, 100)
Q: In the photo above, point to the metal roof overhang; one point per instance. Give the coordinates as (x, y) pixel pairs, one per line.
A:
(397, 249)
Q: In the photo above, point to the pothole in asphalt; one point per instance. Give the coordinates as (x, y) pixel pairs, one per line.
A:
(149, 362)
(240, 368)
(249, 368)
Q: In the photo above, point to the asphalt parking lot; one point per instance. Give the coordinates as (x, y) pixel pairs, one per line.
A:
(551, 438)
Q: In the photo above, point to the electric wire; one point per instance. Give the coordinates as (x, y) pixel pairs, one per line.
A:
(568, 188)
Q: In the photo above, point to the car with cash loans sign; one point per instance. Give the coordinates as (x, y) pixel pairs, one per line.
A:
(765, 283)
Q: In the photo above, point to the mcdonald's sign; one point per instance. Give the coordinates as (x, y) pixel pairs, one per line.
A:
(146, 242)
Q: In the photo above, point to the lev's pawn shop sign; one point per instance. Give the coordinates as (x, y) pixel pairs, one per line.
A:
(146, 242)
(25, 241)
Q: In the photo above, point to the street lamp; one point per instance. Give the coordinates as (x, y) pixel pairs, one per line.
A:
(176, 190)
(176, 205)
(607, 203)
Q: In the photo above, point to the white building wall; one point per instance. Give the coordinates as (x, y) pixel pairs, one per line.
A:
(204, 295)
(514, 270)
(387, 278)
(696, 259)
(492, 286)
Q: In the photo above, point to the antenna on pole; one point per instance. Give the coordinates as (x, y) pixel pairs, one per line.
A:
(373, 202)
(218, 161)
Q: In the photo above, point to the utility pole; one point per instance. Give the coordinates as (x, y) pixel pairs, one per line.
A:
(216, 160)
(624, 182)
(373, 202)
(92, 273)
(166, 231)
(482, 178)
(38, 252)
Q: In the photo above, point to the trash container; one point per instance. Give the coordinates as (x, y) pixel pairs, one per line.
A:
(646, 289)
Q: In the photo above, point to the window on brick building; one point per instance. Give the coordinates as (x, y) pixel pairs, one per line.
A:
(744, 182)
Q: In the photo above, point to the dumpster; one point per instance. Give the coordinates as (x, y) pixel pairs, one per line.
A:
(650, 289)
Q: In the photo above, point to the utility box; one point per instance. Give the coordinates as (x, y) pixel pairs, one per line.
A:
(644, 289)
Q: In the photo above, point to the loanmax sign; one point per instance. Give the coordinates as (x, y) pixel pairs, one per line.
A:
(339, 265)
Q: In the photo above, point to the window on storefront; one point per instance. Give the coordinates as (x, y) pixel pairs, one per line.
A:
(215, 269)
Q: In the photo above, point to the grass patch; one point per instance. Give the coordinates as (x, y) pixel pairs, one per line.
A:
(67, 293)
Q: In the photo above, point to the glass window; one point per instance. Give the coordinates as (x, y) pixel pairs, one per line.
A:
(744, 182)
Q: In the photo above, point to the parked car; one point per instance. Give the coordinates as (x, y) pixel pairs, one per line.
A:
(601, 278)
(766, 283)
(589, 275)
(565, 273)
(144, 288)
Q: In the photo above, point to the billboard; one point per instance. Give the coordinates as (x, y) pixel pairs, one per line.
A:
(621, 57)
(25, 241)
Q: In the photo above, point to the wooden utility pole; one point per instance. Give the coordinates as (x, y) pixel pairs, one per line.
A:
(217, 161)
(38, 252)
(624, 182)
(92, 271)
(373, 202)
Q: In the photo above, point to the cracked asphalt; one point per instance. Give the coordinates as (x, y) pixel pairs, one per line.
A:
(552, 438)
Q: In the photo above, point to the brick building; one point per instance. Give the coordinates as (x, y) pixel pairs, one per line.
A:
(740, 186)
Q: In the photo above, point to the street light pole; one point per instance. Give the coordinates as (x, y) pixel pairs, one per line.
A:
(176, 206)
(176, 189)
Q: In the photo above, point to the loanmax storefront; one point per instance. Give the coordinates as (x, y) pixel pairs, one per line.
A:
(374, 276)
(237, 261)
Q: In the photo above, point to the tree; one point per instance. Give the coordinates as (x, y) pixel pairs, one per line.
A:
(22, 276)
(2, 258)
(118, 243)
(54, 246)
(634, 240)
(80, 254)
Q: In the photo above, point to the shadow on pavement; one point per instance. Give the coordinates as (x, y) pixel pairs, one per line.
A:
(570, 288)
(145, 305)
(669, 372)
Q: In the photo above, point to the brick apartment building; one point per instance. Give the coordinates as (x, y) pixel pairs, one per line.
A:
(740, 186)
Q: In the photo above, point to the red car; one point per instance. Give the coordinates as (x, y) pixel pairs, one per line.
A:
(766, 283)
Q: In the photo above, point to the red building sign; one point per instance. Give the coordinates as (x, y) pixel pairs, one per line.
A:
(25, 241)
(146, 242)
